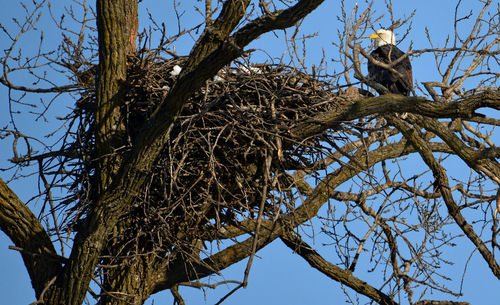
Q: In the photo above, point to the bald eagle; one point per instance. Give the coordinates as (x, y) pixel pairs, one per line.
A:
(387, 52)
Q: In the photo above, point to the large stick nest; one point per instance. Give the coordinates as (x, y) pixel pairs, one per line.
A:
(212, 171)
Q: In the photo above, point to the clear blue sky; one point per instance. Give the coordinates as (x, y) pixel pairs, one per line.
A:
(278, 276)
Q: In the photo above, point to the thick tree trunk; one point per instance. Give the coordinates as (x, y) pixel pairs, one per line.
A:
(116, 23)
(131, 283)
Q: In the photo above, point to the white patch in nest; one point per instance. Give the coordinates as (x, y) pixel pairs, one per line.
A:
(218, 79)
(250, 70)
(176, 70)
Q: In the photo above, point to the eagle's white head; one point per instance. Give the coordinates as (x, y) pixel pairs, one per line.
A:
(383, 37)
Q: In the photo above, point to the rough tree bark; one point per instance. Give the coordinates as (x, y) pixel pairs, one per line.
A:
(57, 280)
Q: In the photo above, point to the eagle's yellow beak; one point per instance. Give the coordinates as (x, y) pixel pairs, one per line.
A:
(374, 36)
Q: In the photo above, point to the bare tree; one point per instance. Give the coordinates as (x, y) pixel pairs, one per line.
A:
(163, 155)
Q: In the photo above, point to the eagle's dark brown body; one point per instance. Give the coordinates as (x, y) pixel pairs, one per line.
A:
(399, 84)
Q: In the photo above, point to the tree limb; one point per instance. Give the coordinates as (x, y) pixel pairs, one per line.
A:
(393, 103)
(338, 274)
(24, 229)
